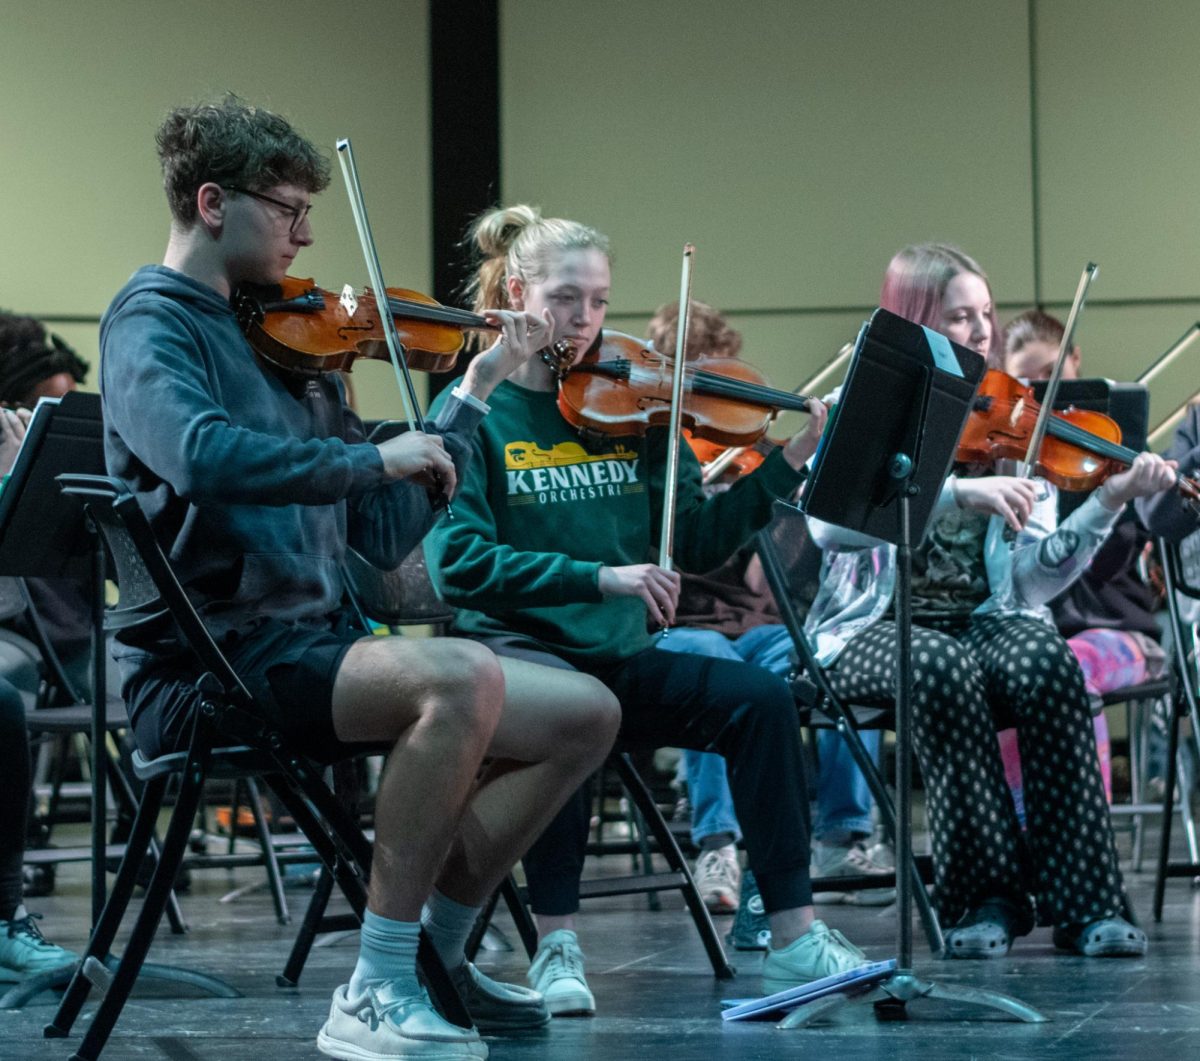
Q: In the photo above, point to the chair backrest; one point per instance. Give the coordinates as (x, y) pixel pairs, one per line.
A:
(403, 596)
(148, 587)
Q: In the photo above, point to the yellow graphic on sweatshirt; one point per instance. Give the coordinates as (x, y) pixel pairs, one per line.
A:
(567, 472)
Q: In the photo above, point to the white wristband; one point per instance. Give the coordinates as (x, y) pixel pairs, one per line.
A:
(468, 398)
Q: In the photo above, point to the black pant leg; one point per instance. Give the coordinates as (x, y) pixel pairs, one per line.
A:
(15, 780)
(747, 715)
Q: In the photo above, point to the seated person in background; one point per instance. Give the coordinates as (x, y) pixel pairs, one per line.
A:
(256, 480)
(1107, 614)
(35, 364)
(730, 613)
(1166, 515)
(23, 950)
(549, 558)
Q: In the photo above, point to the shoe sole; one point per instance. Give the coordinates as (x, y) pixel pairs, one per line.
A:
(574, 1005)
(332, 1047)
(516, 1023)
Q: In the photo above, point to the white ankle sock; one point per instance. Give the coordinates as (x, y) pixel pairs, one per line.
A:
(448, 924)
(387, 951)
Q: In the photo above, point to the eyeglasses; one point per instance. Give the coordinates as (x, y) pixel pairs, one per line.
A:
(299, 213)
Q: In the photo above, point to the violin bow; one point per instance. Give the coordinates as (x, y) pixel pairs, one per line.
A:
(358, 207)
(1064, 348)
(666, 540)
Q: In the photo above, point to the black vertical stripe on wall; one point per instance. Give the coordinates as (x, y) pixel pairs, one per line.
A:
(464, 82)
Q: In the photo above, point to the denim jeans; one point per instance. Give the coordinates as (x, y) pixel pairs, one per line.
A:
(843, 798)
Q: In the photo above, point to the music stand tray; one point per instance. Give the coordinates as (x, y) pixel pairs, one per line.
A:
(879, 471)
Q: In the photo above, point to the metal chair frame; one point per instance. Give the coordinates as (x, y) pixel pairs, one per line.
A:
(149, 590)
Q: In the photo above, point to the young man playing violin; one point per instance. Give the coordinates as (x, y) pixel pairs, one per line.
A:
(255, 483)
(549, 559)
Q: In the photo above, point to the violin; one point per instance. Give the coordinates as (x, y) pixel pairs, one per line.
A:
(622, 386)
(745, 459)
(305, 329)
(1080, 450)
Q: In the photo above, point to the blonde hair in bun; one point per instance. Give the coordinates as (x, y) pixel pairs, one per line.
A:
(517, 241)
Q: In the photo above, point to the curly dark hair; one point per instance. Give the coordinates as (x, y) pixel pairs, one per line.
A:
(30, 354)
(233, 143)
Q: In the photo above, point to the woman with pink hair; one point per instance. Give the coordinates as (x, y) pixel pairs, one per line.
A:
(987, 656)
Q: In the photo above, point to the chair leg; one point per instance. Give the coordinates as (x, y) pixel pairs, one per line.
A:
(123, 790)
(667, 845)
(309, 928)
(887, 812)
(274, 877)
(105, 930)
(151, 913)
(1164, 841)
(1135, 721)
(521, 916)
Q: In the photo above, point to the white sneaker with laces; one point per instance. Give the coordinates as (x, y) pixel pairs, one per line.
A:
(821, 951)
(381, 1026)
(719, 879)
(557, 974)
(834, 860)
(25, 952)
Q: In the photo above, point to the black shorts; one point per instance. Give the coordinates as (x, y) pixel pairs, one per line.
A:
(289, 668)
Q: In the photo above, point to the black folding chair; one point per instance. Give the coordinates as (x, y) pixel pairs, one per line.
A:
(225, 711)
(781, 548)
(1181, 573)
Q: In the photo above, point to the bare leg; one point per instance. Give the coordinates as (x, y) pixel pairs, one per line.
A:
(787, 926)
(440, 701)
(547, 923)
(555, 730)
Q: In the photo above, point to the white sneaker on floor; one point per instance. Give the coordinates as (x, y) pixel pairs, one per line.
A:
(719, 879)
(381, 1026)
(821, 951)
(557, 974)
(834, 860)
(25, 952)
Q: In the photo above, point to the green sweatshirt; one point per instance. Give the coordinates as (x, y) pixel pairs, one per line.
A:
(539, 513)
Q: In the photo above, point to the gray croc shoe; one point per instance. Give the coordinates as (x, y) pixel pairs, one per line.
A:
(987, 931)
(1110, 937)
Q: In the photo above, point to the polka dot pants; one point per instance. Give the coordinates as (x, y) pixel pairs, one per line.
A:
(1000, 671)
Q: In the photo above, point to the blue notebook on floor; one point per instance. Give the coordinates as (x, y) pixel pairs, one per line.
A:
(780, 1002)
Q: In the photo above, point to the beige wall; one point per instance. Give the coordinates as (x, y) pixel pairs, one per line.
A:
(85, 86)
(797, 142)
(800, 143)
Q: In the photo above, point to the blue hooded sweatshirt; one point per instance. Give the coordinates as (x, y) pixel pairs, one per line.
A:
(254, 482)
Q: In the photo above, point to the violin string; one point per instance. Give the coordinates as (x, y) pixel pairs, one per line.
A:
(1073, 433)
(436, 314)
(705, 383)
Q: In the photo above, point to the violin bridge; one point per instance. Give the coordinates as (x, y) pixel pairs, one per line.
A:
(349, 301)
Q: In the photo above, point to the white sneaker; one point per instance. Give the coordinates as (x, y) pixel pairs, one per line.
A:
(719, 879)
(381, 1026)
(557, 974)
(821, 951)
(834, 860)
(25, 952)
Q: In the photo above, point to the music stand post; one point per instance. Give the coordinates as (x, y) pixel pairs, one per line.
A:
(43, 534)
(879, 471)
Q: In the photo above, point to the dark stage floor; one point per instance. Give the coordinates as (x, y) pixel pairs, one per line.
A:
(655, 994)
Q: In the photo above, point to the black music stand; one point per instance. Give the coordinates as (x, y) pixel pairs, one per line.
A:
(43, 534)
(879, 470)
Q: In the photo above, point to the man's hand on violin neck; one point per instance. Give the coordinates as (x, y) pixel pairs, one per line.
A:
(1148, 474)
(522, 336)
(658, 588)
(999, 495)
(802, 445)
(416, 454)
